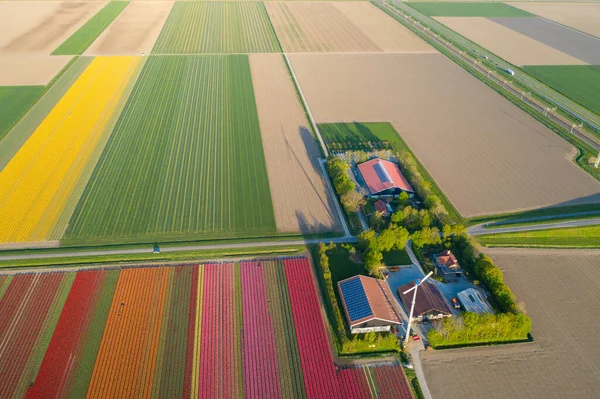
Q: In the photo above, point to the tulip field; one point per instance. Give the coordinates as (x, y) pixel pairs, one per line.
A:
(251, 329)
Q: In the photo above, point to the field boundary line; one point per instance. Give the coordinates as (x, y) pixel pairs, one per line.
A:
(310, 116)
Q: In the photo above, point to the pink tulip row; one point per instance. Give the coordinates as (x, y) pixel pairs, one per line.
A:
(392, 383)
(353, 384)
(261, 374)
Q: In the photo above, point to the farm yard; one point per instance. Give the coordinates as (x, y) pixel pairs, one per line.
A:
(301, 200)
(190, 173)
(449, 115)
(34, 196)
(215, 27)
(339, 27)
(176, 331)
(556, 287)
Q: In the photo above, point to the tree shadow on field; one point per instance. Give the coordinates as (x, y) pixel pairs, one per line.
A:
(308, 227)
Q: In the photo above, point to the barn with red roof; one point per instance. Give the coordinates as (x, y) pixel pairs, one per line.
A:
(383, 177)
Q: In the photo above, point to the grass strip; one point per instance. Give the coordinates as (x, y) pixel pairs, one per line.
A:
(468, 9)
(567, 237)
(79, 41)
(14, 102)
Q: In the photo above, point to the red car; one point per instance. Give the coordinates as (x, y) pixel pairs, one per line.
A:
(455, 303)
(416, 338)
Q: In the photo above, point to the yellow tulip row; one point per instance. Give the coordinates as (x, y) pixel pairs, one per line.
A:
(37, 183)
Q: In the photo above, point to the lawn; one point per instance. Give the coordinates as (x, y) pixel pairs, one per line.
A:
(396, 258)
(213, 27)
(185, 160)
(79, 41)
(14, 102)
(468, 9)
(342, 267)
(581, 83)
(572, 237)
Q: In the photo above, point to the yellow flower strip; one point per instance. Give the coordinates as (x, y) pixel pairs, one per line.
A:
(36, 184)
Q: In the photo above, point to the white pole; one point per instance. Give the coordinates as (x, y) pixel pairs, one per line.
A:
(412, 307)
(597, 160)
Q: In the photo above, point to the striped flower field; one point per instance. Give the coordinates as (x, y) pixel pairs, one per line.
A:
(218, 330)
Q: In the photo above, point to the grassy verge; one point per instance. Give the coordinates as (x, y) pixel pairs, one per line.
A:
(468, 9)
(150, 257)
(570, 237)
(552, 219)
(411, 375)
(79, 41)
(554, 212)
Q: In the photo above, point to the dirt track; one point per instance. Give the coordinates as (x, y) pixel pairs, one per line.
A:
(25, 70)
(513, 46)
(584, 16)
(300, 197)
(560, 290)
(40, 27)
(134, 31)
(485, 153)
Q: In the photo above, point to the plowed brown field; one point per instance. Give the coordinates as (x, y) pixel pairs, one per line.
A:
(300, 197)
(134, 31)
(487, 155)
(513, 46)
(24, 70)
(560, 291)
(583, 16)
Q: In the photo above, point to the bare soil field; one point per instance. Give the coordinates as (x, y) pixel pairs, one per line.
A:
(134, 31)
(559, 37)
(26, 70)
(317, 27)
(514, 47)
(487, 155)
(559, 289)
(301, 200)
(40, 27)
(581, 16)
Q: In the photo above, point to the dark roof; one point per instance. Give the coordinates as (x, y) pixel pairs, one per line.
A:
(381, 175)
(429, 299)
(366, 298)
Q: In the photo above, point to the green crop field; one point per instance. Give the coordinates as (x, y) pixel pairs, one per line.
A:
(79, 41)
(358, 135)
(184, 161)
(581, 83)
(571, 237)
(14, 102)
(468, 10)
(215, 27)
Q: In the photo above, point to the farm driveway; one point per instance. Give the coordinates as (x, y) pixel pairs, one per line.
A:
(487, 155)
(556, 286)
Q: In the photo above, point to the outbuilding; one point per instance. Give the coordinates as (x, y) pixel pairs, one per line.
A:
(474, 301)
(429, 304)
(368, 304)
(448, 265)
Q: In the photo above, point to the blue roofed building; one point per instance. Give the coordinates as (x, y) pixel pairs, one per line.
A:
(474, 301)
(368, 304)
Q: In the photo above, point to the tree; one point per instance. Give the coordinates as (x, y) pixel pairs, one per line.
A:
(394, 237)
(352, 201)
(367, 238)
(432, 202)
(425, 218)
(372, 259)
(397, 217)
(412, 219)
(343, 184)
(403, 199)
(376, 221)
(426, 236)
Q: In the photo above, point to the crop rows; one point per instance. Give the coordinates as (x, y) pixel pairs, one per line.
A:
(219, 330)
(185, 158)
(217, 27)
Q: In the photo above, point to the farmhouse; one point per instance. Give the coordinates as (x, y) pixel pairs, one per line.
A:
(383, 208)
(368, 304)
(448, 265)
(474, 301)
(430, 302)
(383, 177)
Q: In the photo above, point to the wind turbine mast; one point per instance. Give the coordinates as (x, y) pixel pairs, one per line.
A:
(412, 307)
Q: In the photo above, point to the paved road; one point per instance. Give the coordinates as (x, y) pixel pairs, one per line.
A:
(479, 229)
(567, 105)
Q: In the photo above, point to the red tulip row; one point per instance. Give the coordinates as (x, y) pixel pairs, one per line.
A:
(191, 333)
(392, 383)
(23, 311)
(261, 375)
(353, 384)
(56, 373)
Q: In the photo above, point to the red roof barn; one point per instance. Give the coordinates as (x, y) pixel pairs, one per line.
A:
(383, 177)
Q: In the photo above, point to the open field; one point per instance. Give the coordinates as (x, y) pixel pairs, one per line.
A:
(469, 9)
(301, 200)
(38, 183)
(562, 38)
(39, 27)
(210, 27)
(23, 129)
(514, 47)
(572, 237)
(251, 329)
(557, 287)
(134, 31)
(580, 16)
(443, 113)
(194, 174)
(26, 70)
(79, 41)
(340, 27)
(580, 83)
(14, 102)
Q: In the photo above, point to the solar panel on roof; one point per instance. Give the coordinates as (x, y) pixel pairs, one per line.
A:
(382, 173)
(356, 299)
